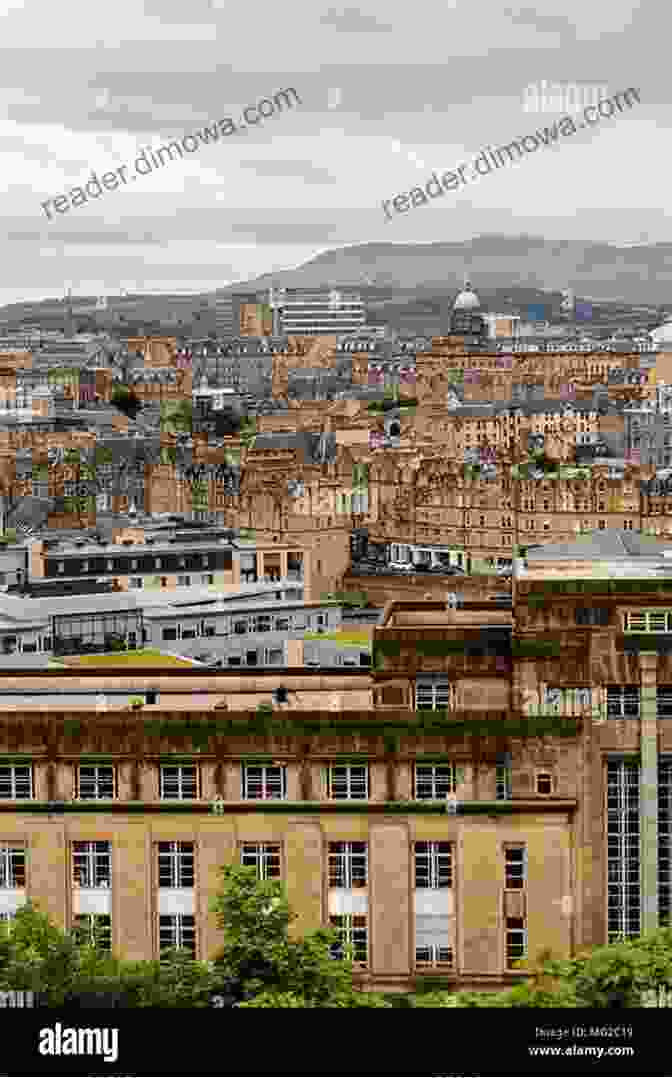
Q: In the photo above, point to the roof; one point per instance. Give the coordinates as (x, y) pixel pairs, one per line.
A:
(610, 543)
(21, 609)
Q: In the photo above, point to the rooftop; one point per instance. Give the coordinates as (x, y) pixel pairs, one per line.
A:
(607, 544)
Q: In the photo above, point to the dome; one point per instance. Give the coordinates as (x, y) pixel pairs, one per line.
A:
(467, 300)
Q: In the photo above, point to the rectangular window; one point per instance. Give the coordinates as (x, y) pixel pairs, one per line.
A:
(207, 578)
(169, 634)
(623, 701)
(433, 865)
(94, 929)
(135, 582)
(433, 782)
(664, 701)
(12, 866)
(96, 782)
(92, 864)
(516, 941)
(353, 933)
(16, 782)
(515, 868)
(664, 840)
(177, 930)
(184, 581)
(179, 782)
(502, 782)
(348, 865)
(623, 879)
(265, 782)
(544, 782)
(176, 864)
(596, 615)
(648, 621)
(347, 782)
(432, 692)
(264, 856)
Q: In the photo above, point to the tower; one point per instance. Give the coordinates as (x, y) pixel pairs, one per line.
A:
(70, 327)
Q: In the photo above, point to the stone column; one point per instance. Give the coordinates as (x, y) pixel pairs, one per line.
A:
(648, 802)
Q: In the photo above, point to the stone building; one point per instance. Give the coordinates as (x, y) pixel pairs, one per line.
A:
(497, 785)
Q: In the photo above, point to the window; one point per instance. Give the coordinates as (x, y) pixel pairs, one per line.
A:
(347, 865)
(95, 782)
(433, 935)
(503, 782)
(176, 864)
(94, 929)
(12, 866)
(184, 581)
(347, 782)
(177, 930)
(544, 782)
(135, 582)
(432, 692)
(264, 782)
(264, 856)
(61, 567)
(353, 933)
(516, 940)
(275, 656)
(623, 701)
(664, 701)
(169, 634)
(648, 621)
(91, 864)
(433, 782)
(515, 868)
(623, 850)
(179, 782)
(207, 578)
(240, 626)
(262, 623)
(433, 865)
(16, 782)
(595, 615)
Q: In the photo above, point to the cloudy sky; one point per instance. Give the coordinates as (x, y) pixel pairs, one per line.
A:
(389, 92)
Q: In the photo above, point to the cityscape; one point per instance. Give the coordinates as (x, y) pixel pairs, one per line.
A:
(335, 543)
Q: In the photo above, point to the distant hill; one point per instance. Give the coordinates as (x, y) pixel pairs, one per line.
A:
(412, 285)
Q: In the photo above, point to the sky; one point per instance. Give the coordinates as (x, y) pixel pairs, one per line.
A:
(388, 93)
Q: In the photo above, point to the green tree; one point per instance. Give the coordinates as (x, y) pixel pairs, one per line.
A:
(38, 956)
(126, 401)
(260, 964)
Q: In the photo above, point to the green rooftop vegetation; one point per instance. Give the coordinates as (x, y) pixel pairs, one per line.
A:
(143, 657)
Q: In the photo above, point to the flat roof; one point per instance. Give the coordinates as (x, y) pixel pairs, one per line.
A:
(20, 610)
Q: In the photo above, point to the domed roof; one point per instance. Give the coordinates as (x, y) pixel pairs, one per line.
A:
(467, 299)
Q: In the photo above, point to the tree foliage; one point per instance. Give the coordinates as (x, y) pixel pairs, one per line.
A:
(262, 965)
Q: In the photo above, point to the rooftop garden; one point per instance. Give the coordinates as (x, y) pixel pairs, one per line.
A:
(143, 657)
